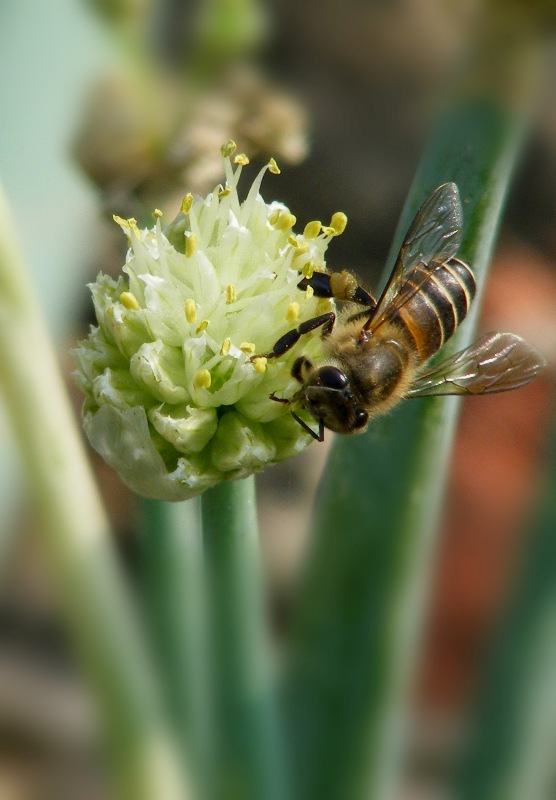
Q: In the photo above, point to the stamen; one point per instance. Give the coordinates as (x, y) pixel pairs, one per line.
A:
(190, 310)
(191, 245)
(224, 192)
(337, 224)
(130, 224)
(308, 269)
(202, 379)
(231, 294)
(226, 344)
(299, 244)
(292, 312)
(260, 364)
(309, 292)
(157, 213)
(273, 167)
(241, 160)
(284, 221)
(312, 229)
(186, 203)
(128, 300)
(202, 326)
(228, 148)
(247, 347)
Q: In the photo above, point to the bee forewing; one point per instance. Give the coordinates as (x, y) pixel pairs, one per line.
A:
(497, 362)
(435, 233)
(433, 237)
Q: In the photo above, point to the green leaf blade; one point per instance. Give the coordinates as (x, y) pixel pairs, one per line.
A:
(364, 592)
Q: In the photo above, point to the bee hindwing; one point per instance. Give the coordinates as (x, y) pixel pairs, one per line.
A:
(497, 362)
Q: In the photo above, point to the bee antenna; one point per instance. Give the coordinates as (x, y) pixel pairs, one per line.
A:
(319, 437)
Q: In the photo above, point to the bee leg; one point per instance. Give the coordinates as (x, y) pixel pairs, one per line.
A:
(279, 399)
(340, 285)
(301, 366)
(287, 341)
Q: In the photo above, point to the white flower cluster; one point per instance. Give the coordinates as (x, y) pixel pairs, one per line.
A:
(175, 401)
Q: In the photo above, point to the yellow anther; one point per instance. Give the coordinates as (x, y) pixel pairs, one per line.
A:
(241, 160)
(157, 213)
(292, 312)
(231, 294)
(202, 379)
(247, 347)
(190, 310)
(226, 344)
(308, 269)
(299, 244)
(190, 245)
(285, 221)
(260, 364)
(337, 224)
(186, 203)
(228, 148)
(312, 229)
(119, 220)
(129, 300)
(282, 219)
(273, 167)
(309, 292)
(224, 192)
(202, 326)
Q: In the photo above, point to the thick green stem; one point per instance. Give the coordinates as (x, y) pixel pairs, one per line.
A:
(175, 595)
(77, 541)
(363, 596)
(248, 745)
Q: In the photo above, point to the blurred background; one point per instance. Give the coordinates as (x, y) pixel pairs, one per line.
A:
(121, 107)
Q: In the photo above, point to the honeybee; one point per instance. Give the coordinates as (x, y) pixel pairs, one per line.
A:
(378, 355)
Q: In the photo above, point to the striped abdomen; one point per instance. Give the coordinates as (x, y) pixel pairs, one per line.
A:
(438, 306)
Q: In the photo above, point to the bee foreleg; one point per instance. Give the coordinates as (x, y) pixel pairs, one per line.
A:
(340, 285)
(280, 399)
(287, 341)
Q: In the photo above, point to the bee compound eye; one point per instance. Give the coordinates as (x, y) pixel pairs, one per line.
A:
(332, 378)
(361, 418)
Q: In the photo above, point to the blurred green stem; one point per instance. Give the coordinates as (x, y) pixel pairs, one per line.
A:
(77, 541)
(362, 600)
(248, 746)
(175, 594)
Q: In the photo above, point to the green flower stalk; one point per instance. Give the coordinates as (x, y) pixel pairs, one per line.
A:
(176, 398)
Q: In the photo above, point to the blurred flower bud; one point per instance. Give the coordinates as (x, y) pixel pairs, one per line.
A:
(144, 139)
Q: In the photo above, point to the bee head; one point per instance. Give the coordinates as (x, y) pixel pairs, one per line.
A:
(328, 396)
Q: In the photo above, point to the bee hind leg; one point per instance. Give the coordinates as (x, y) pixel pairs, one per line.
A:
(341, 286)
